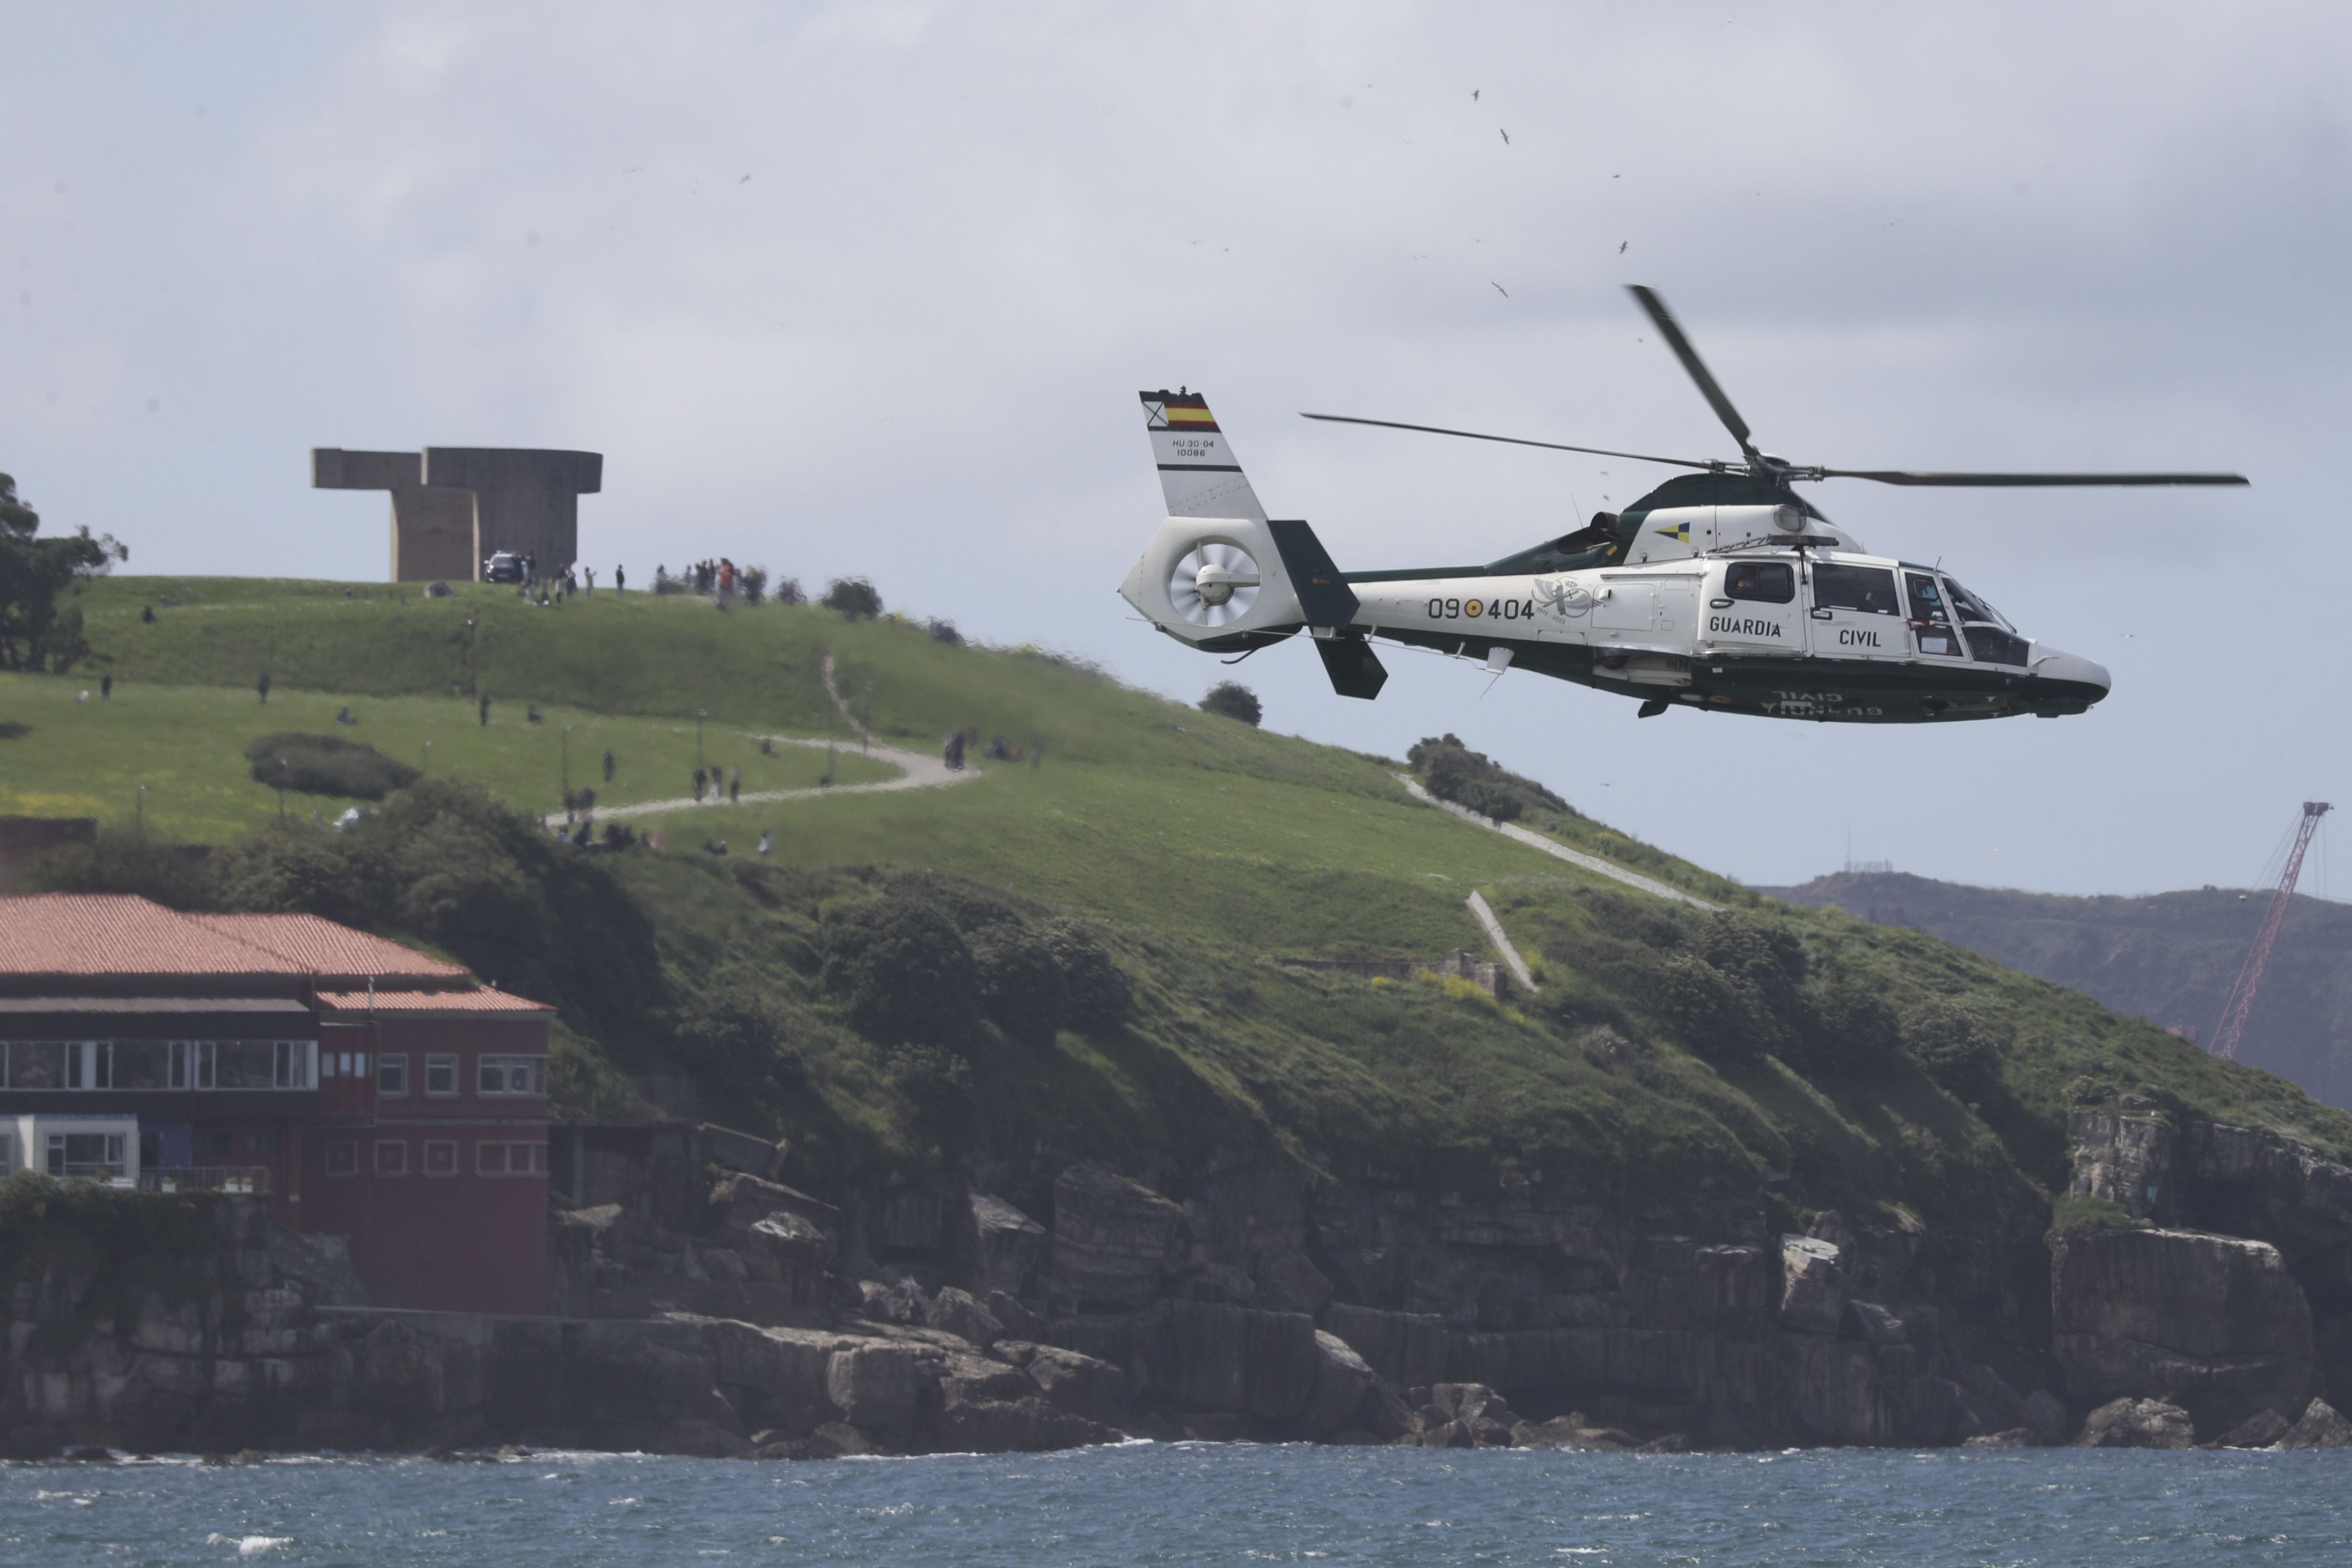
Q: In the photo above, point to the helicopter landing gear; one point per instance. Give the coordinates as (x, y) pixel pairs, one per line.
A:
(1651, 708)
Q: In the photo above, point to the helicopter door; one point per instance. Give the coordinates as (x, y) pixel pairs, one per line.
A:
(1856, 613)
(1931, 620)
(1752, 608)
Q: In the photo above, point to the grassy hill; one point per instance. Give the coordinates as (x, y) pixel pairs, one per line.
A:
(2168, 957)
(1682, 1066)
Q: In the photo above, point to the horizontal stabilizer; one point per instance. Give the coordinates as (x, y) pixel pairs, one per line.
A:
(1323, 594)
(1354, 669)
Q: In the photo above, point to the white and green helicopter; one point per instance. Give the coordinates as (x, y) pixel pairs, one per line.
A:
(1721, 589)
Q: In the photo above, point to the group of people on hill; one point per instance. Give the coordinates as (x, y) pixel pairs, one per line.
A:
(723, 581)
(718, 780)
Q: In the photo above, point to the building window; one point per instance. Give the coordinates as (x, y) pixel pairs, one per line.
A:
(440, 1157)
(170, 1064)
(8, 1154)
(513, 1075)
(96, 1155)
(262, 1141)
(343, 1157)
(134, 1064)
(37, 1064)
(392, 1073)
(391, 1157)
(511, 1158)
(223, 1144)
(440, 1075)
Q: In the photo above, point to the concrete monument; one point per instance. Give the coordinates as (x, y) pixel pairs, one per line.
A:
(453, 507)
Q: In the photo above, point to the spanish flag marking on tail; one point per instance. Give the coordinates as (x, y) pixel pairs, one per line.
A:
(1177, 411)
(1680, 530)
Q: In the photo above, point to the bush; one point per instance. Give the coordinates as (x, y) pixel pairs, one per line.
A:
(1100, 994)
(905, 969)
(751, 581)
(327, 764)
(1709, 1012)
(943, 631)
(1022, 988)
(1766, 959)
(1955, 1046)
(1453, 772)
(853, 597)
(1232, 699)
(1856, 1030)
(732, 1039)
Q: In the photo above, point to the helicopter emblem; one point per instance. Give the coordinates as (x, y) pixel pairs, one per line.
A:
(1721, 589)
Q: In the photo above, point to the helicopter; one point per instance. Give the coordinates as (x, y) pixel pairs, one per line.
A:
(1721, 589)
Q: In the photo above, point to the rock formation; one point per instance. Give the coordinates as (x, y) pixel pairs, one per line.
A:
(737, 1315)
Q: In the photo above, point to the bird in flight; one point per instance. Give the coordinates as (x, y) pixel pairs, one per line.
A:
(1507, 136)
(1474, 95)
(1622, 244)
(1506, 293)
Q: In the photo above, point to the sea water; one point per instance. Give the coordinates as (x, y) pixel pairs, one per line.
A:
(1146, 1503)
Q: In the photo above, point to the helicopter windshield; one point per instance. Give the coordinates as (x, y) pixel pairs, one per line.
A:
(1991, 639)
(1975, 610)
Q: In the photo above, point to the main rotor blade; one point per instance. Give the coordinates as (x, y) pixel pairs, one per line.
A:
(1672, 330)
(1907, 477)
(1510, 441)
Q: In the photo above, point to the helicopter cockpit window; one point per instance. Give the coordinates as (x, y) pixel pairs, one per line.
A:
(1869, 589)
(1991, 639)
(1763, 582)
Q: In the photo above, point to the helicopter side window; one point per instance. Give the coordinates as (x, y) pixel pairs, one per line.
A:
(1929, 621)
(1869, 589)
(1991, 639)
(1762, 582)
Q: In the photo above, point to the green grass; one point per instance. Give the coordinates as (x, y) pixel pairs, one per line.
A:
(1205, 850)
(60, 757)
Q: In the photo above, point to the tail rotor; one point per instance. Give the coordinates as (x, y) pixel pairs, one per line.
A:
(1213, 583)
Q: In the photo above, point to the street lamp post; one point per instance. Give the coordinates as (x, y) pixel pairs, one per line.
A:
(699, 715)
(567, 771)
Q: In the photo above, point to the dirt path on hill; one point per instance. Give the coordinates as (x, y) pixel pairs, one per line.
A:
(1554, 846)
(916, 770)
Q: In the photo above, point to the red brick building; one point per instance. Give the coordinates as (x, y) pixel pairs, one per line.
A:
(374, 1092)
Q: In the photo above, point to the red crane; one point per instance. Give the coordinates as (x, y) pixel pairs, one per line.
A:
(2241, 1005)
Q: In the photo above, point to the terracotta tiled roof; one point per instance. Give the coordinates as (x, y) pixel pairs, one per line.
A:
(118, 933)
(481, 1000)
(318, 946)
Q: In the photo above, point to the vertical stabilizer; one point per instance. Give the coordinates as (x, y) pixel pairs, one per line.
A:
(1197, 470)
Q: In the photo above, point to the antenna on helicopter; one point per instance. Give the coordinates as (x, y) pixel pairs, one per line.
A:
(1764, 466)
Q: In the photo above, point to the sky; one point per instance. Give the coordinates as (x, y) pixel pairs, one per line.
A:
(869, 290)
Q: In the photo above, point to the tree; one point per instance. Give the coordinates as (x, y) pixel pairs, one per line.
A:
(905, 969)
(853, 597)
(1233, 700)
(34, 634)
(1956, 1045)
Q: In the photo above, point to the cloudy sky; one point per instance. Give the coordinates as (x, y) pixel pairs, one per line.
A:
(871, 287)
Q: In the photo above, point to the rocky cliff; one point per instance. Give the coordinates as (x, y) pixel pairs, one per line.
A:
(2196, 1290)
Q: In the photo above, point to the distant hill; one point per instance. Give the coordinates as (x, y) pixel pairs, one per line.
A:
(2169, 957)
